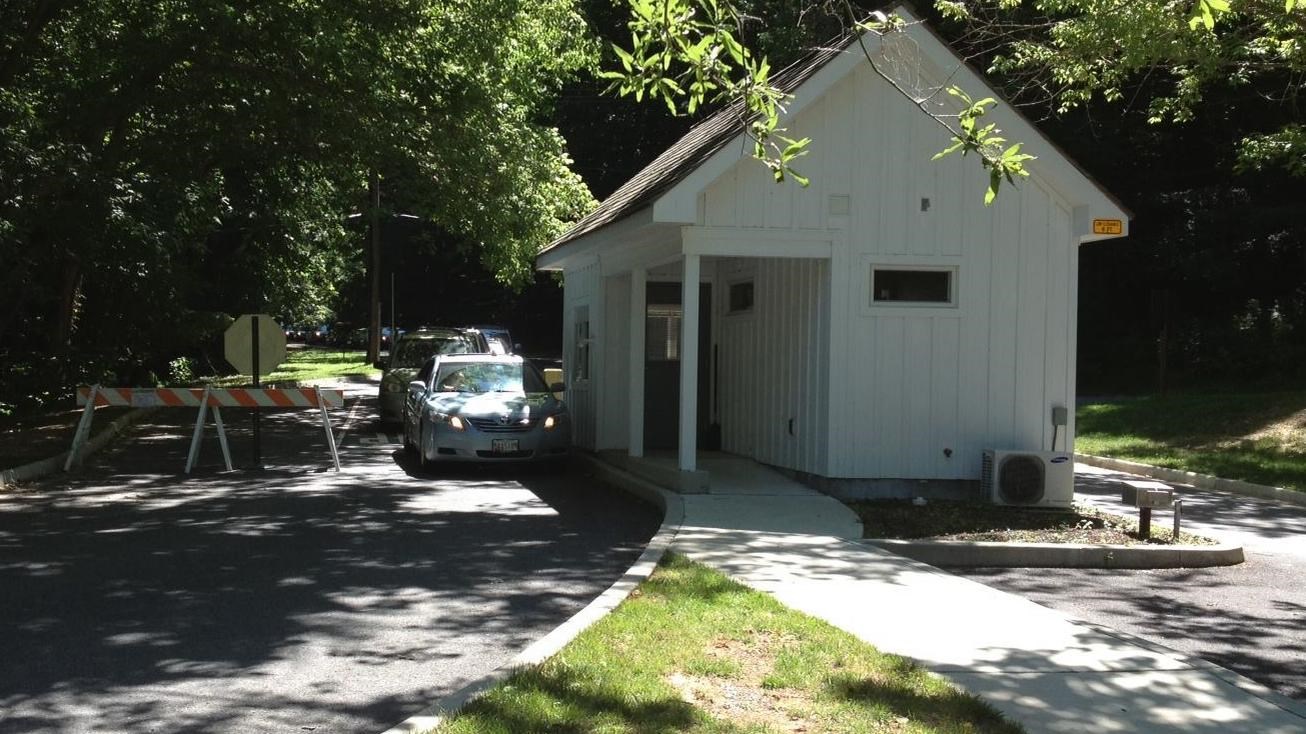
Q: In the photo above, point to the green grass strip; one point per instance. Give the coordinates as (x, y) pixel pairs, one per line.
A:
(692, 651)
(1255, 437)
(302, 365)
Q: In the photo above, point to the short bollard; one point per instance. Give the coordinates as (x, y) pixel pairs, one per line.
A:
(1146, 496)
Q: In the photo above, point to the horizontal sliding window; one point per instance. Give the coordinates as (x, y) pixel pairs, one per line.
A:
(908, 286)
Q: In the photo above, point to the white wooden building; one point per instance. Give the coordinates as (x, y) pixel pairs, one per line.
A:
(882, 323)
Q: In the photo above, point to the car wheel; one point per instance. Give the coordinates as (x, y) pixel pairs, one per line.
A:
(409, 448)
(423, 463)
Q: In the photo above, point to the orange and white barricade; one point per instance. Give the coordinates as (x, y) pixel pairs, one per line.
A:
(205, 399)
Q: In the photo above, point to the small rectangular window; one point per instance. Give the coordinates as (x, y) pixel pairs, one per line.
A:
(930, 286)
(741, 296)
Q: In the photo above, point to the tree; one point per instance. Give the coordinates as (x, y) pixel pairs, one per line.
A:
(161, 158)
(688, 53)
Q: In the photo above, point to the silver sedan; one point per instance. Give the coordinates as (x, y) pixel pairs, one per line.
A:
(477, 407)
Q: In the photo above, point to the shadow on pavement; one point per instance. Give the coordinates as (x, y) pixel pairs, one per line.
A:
(253, 601)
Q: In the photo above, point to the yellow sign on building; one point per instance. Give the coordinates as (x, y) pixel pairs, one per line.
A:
(1108, 226)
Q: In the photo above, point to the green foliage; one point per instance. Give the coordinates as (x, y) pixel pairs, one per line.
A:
(1002, 161)
(167, 158)
(1169, 54)
(688, 54)
(1062, 52)
(181, 371)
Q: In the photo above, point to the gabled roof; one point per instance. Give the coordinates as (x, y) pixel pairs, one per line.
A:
(702, 140)
(710, 136)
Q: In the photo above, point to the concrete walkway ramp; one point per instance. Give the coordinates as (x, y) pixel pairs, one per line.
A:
(1040, 667)
(748, 496)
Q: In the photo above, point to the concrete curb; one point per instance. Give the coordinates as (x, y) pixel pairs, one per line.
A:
(1201, 481)
(37, 469)
(673, 514)
(959, 554)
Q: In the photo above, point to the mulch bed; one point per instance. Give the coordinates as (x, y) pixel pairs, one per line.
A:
(971, 521)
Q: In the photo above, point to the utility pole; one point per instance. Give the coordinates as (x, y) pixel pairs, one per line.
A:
(374, 273)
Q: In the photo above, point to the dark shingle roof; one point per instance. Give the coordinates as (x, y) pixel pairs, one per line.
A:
(686, 154)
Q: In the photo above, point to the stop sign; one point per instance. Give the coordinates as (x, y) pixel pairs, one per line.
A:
(238, 344)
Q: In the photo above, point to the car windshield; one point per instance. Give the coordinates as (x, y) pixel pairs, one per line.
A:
(483, 377)
(413, 352)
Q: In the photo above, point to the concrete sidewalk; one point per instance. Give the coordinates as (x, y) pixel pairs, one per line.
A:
(1040, 667)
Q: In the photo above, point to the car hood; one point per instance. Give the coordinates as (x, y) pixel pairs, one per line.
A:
(494, 404)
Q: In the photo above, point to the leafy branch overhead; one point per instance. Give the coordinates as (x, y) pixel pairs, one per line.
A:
(689, 54)
(1002, 163)
(203, 156)
(692, 53)
(1161, 56)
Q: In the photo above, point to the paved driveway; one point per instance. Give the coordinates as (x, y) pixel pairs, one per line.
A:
(1249, 618)
(292, 599)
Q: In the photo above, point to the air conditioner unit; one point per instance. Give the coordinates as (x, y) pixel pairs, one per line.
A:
(1028, 478)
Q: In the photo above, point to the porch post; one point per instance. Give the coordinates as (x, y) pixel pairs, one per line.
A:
(638, 293)
(689, 364)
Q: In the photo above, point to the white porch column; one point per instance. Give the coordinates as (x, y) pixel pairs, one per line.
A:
(638, 296)
(689, 364)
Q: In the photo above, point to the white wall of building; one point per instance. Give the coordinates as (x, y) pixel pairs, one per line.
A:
(583, 299)
(903, 391)
(772, 362)
(614, 410)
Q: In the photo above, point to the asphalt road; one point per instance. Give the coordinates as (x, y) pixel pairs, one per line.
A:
(1249, 618)
(135, 599)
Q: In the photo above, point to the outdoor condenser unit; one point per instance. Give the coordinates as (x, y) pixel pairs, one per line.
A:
(1028, 478)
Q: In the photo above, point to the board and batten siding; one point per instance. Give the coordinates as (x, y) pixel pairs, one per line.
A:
(772, 362)
(613, 415)
(582, 297)
(907, 391)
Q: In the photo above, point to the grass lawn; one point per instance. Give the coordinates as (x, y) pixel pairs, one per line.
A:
(308, 364)
(692, 651)
(1256, 437)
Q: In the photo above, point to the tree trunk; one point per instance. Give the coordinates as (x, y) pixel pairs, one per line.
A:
(70, 290)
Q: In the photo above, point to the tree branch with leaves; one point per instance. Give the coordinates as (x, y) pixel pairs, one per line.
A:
(694, 53)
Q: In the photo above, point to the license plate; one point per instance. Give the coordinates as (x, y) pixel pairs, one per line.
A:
(503, 445)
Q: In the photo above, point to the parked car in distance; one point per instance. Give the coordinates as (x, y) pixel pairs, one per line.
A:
(466, 407)
(499, 339)
(414, 349)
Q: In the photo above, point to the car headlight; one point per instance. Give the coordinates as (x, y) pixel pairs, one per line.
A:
(456, 423)
(549, 423)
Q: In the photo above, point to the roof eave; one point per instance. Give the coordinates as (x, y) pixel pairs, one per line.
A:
(559, 256)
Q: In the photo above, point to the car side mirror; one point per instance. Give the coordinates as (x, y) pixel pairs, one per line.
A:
(557, 387)
(418, 385)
